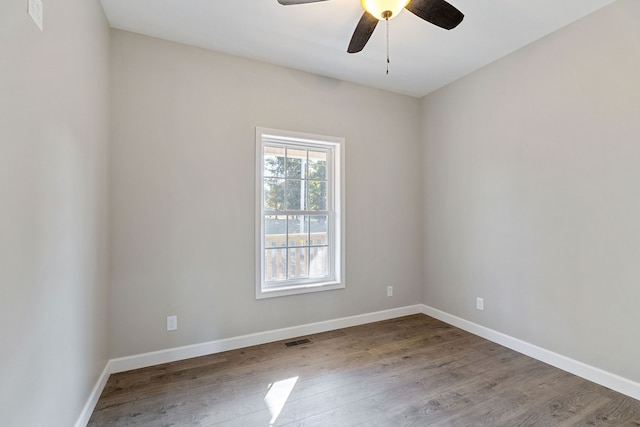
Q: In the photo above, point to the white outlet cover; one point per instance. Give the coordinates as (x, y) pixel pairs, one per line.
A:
(172, 323)
(34, 9)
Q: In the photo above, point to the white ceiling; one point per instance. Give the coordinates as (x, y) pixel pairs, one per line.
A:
(314, 37)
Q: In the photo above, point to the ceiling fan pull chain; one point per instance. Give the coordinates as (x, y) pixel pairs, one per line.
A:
(387, 46)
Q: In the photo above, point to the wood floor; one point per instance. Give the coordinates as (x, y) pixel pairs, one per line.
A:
(410, 371)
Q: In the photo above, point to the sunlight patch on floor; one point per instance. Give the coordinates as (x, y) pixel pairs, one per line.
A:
(277, 396)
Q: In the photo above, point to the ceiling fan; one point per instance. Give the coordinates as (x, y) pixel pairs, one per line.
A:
(437, 12)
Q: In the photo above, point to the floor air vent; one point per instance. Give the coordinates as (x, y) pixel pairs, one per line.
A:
(298, 342)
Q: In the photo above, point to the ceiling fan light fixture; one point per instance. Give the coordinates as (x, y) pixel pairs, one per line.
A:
(384, 9)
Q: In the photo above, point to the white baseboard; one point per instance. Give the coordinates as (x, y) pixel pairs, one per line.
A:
(179, 353)
(83, 419)
(588, 372)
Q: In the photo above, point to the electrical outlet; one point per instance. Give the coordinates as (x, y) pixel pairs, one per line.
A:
(480, 303)
(34, 9)
(389, 291)
(172, 323)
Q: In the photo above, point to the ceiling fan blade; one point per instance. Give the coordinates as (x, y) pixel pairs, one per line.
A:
(438, 12)
(290, 2)
(362, 33)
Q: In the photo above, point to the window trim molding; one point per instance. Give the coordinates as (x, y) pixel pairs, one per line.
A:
(265, 135)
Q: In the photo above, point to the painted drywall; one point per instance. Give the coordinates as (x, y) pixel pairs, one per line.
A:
(54, 114)
(182, 193)
(532, 192)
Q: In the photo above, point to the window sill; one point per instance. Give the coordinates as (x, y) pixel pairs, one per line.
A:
(299, 289)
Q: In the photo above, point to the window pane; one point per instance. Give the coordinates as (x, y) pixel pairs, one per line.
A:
(274, 194)
(296, 163)
(298, 263)
(294, 194)
(275, 227)
(317, 165)
(274, 161)
(298, 230)
(318, 226)
(319, 265)
(317, 197)
(275, 262)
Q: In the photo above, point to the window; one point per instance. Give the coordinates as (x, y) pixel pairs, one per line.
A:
(299, 213)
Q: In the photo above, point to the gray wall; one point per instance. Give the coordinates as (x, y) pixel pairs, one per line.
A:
(532, 192)
(54, 114)
(182, 182)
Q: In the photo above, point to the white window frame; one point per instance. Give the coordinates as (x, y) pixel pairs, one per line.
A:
(335, 210)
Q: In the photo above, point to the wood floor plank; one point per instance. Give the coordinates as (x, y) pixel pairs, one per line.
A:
(410, 371)
(618, 412)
